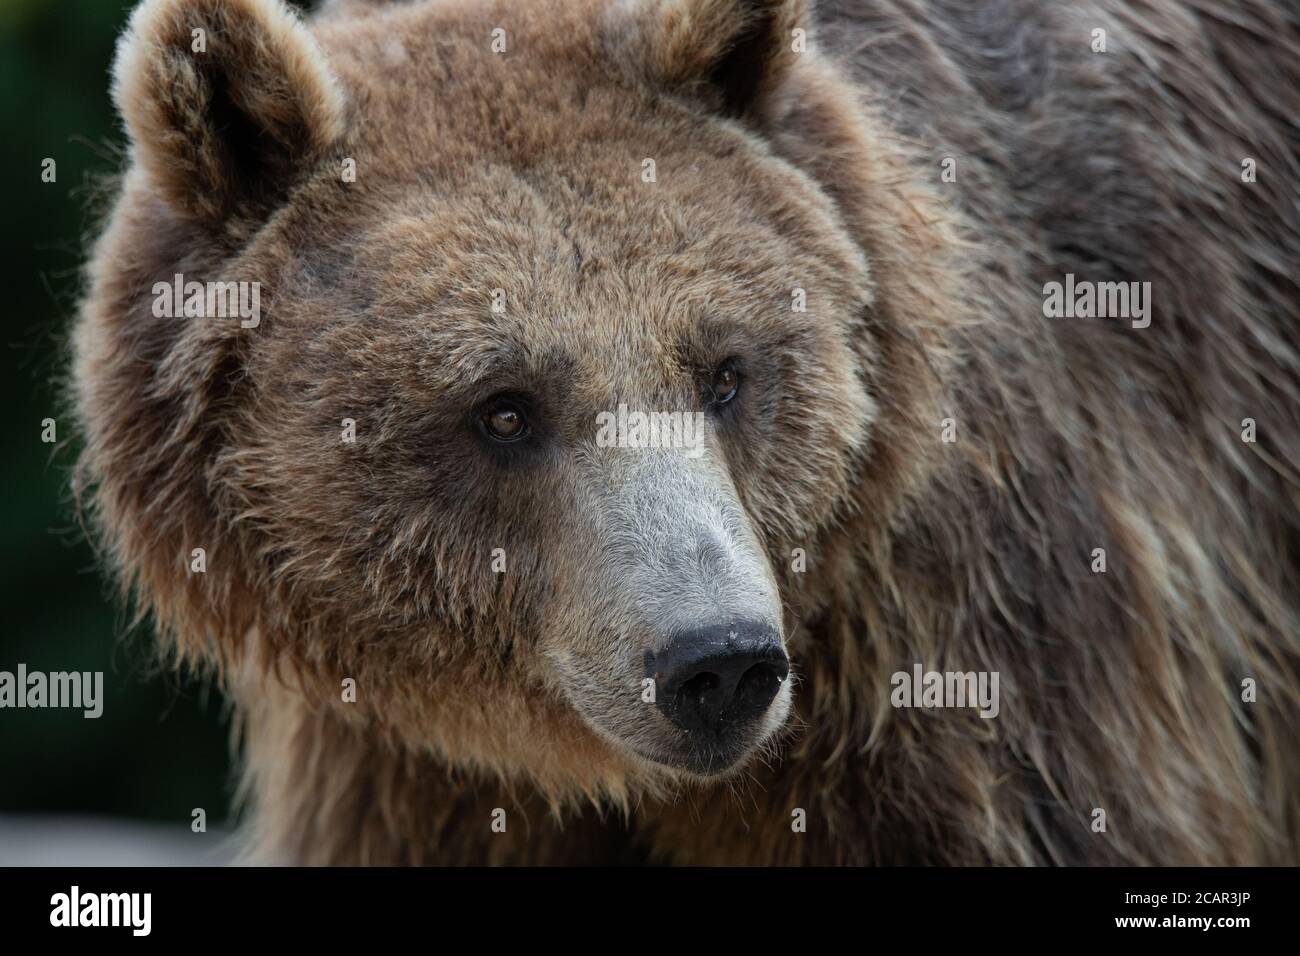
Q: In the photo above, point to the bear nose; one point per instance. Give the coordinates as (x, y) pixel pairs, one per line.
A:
(713, 678)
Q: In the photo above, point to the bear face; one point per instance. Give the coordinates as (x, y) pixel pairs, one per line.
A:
(537, 244)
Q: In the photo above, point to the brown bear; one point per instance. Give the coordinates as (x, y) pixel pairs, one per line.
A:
(717, 431)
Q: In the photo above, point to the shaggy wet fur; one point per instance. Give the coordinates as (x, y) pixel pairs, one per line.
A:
(1121, 691)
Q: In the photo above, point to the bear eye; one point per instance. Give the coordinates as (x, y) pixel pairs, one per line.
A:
(503, 421)
(726, 382)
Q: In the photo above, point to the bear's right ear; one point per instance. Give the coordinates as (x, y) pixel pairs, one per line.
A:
(226, 103)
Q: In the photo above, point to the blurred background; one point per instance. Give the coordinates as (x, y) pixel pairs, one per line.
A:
(121, 788)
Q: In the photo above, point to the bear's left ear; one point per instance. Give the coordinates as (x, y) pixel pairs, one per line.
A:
(733, 53)
(226, 103)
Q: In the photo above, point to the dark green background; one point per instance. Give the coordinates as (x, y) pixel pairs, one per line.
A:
(160, 749)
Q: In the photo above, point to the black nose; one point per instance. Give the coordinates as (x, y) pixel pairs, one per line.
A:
(710, 679)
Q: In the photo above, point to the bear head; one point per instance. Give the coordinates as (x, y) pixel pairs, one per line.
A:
(567, 361)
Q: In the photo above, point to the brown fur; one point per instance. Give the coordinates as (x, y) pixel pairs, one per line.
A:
(521, 170)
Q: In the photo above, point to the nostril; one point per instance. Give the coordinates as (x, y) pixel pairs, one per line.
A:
(701, 685)
(758, 685)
